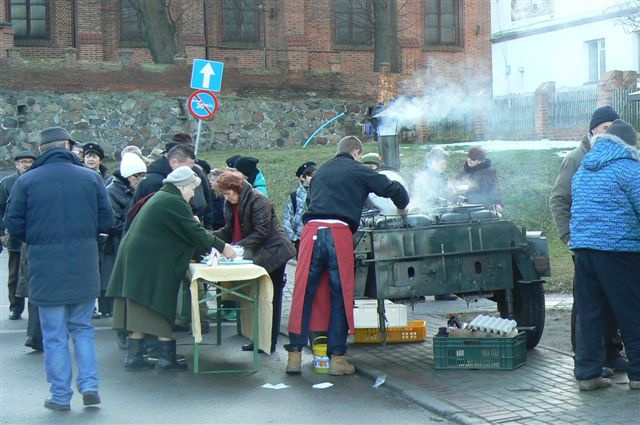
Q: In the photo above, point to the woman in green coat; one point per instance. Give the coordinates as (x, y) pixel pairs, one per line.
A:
(152, 260)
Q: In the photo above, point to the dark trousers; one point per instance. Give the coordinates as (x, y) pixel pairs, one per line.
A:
(16, 304)
(278, 278)
(323, 259)
(606, 279)
(612, 340)
(34, 333)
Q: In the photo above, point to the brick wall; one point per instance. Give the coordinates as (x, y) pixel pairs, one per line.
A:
(295, 37)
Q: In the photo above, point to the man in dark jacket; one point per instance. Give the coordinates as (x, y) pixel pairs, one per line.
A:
(64, 278)
(560, 204)
(23, 161)
(336, 196)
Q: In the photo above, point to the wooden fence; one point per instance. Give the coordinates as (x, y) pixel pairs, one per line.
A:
(629, 111)
(511, 116)
(572, 108)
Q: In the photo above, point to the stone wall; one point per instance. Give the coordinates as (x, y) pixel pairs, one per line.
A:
(115, 120)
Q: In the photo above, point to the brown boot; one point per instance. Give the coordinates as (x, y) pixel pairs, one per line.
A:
(340, 366)
(294, 364)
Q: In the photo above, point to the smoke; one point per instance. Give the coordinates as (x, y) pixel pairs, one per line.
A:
(432, 99)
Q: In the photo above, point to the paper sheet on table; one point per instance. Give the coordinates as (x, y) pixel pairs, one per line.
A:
(275, 387)
(323, 385)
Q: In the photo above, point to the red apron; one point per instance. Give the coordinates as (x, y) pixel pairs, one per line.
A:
(321, 309)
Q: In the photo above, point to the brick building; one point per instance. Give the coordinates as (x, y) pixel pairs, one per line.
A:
(291, 41)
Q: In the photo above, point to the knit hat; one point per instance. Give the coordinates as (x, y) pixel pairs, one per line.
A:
(247, 166)
(206, 167)
(92, 147)
(370, 158)
(477, 154)
(131, 164)
(24, 154)
(625, 131)
(182, 176)
(301, 169)
(603, 114)
(131, 149)
(231, 161)
(55, 134)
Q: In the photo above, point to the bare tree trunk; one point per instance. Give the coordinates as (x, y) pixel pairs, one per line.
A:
(385, 34)
(160, 31)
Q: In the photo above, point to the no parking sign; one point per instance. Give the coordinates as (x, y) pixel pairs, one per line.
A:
(203, 104)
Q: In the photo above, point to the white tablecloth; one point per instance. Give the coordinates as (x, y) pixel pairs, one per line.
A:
(228, 275)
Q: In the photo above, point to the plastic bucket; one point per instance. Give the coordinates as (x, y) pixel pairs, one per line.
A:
(320, 358)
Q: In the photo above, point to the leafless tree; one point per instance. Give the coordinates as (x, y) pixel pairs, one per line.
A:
(631, 18)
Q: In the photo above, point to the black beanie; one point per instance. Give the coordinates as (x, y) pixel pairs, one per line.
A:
(248, 166)
(625, 131)
(602, 114)
(231, 161)
(301, 169)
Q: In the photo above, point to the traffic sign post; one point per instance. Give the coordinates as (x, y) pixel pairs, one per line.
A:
(203, 105)
(206, 75)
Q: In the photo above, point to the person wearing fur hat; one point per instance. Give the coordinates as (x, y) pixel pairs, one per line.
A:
(248, 166)
(479, 180)
(93, 155)
(145, 280)
(560, 205)
(121, 189)
(605, 239)
(296, 204)
(23, 161)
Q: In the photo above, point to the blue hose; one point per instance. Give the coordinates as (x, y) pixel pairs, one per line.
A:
(340, 115)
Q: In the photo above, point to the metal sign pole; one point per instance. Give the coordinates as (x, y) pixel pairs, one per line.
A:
(198, 136)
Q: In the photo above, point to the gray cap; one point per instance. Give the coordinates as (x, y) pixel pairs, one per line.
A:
(182, 176)
(625, 131)
(55, 134)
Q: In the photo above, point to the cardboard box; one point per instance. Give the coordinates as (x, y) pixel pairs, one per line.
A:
(365, 314)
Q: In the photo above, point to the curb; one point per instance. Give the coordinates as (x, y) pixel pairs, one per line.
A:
(420, 397)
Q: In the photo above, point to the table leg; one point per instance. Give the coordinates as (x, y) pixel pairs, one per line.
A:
(218, 317)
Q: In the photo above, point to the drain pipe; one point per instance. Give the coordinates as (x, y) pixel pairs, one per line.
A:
(206, 37)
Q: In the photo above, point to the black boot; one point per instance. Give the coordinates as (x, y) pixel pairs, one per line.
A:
(168, 356)
(134, 359)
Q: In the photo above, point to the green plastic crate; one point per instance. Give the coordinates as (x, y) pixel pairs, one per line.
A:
(480, 353)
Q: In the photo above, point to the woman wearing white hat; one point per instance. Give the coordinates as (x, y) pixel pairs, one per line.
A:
(153, 259)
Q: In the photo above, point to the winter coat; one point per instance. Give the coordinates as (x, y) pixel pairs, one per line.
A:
(605, 213)
(5, 190)
(159, 170)
(483, 184)
(341, 186)
(260, 183)
(58, 208)
(293, 216)
(560, 197)
(120, 194)
(155, 253)
(263, 240)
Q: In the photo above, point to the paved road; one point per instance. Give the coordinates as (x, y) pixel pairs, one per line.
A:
(152, 397)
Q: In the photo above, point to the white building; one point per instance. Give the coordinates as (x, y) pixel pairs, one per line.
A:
(571, 42)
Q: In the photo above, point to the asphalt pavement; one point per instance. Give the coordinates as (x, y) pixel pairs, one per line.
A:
(154, 397)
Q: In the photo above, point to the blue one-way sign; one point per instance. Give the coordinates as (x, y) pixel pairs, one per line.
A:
(206, 75)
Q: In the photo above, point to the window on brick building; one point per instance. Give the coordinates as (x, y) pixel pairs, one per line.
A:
(131, 25)
(240, 23)
(442, 22)
(596, 57)
(29, 19)
(354, 22)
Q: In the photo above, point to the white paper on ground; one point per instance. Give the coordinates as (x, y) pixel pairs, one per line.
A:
(275, 387)
(323, 385)
(379, 381)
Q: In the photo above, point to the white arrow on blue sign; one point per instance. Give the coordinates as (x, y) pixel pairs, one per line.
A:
(207, 75)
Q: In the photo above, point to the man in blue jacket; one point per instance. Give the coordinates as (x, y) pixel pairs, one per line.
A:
(58, 208)
(605, 237)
